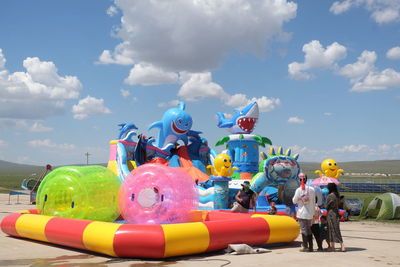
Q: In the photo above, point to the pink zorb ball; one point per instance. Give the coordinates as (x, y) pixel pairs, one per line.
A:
(157, 194)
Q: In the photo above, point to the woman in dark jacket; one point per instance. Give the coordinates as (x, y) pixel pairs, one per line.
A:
(333, 217)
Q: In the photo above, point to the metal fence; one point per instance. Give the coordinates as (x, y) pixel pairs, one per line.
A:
(370, 185)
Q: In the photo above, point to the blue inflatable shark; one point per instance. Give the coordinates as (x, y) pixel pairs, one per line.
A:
(242, 122)
(174, 126)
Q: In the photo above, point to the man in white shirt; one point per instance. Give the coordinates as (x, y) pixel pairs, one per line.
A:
(305, 198)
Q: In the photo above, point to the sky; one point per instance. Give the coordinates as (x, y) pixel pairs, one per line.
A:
(325, 74)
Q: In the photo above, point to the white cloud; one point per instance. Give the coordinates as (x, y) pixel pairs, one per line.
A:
(21, 125)
(38, 127)
(384, 147)
(38, 93)
(195, 36)
(89, 106)
(121, 56)
(347, 153)
(393, 53)
(3, 143)
(172, 103)
(112, 11)
(316, 57)
(236, 100)
(125, 93)
(382, 11)
(387, 15)
(358, 70)
(379, 80)
(13, 123)
(47, 143)
(147, 74)
(198, 86)
(328, 113)
(2, 60)
(302, 150)
(352, 148)
(266, 104)
(366, 77)
(296, 120)
(340, 7)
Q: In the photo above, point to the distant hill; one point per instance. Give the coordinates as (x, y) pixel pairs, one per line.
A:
(12, 174)
(10, 167)
(377, 166)
(6, 166)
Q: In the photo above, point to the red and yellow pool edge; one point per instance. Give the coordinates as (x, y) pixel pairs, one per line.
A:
(214, 231)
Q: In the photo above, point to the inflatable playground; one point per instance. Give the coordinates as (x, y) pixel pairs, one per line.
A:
(170, 195)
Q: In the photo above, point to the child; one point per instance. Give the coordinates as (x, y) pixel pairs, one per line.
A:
(315, 226)
(323, 230)
(273, 210)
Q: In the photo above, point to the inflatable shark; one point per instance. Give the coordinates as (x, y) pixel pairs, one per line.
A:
(174, 126)
(242, 122)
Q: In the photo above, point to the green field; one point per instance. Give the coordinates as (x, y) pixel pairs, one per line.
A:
(379, 166)
(12, 174)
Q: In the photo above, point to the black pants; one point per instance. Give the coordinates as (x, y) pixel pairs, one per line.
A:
(315, 232)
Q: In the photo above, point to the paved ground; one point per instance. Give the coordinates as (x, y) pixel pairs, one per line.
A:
(368, 244)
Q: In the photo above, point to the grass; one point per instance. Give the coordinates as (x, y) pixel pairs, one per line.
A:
(358, 219)
(379, 166)
(361, 196)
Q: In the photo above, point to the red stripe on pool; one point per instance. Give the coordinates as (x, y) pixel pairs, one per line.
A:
(66, 232)
(247, 230)
(8, 224)
(143, 241)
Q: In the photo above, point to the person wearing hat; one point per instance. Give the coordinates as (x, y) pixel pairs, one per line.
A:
(245, 199)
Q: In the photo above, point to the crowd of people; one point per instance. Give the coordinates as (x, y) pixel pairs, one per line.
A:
(309, 203)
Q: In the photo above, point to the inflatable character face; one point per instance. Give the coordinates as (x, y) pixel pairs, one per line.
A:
(276, 169)
(280, 169)
(181, 122)
(222, 160)
(222, 166)
(174, 125)
(242, 122)
(329, 167)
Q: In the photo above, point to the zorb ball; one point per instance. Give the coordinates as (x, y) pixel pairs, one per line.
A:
(156, 194)
(88, 192)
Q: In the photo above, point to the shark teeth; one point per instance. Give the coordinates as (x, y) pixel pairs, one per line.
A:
(247, 124)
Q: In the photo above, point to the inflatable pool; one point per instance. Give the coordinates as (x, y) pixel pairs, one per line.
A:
(207, 231)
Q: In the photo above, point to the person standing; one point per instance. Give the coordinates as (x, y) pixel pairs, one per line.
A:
(315, 227)
(246, 199)
(305, 198)
(333, 217)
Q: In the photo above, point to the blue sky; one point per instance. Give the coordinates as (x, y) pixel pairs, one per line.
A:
(326, 74)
